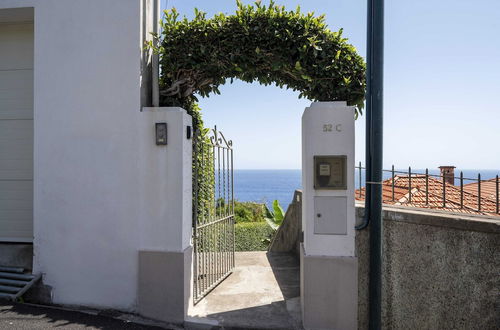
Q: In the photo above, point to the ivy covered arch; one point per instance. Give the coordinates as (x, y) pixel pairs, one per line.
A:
(260, 43)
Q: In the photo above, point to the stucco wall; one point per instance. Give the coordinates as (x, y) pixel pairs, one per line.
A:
(87, 138)
(440, 271)
(328, 130)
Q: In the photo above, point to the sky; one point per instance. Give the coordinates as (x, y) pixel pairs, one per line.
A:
(441, 87)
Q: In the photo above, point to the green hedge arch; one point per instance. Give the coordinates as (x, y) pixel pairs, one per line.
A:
(260, 43)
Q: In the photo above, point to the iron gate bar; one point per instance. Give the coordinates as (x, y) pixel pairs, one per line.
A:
(444, 191)
(213, 211)
(461, 190)
(479, 192)
(497, 193)
(214, 222)
(409, 184)
(426, 186)
(392, 175)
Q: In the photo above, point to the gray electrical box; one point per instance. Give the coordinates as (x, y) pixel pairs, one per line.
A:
(330, 172)
(330, 216)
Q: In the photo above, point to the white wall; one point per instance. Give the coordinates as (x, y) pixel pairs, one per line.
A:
(86, 157)
(316, 142)
(166, 182)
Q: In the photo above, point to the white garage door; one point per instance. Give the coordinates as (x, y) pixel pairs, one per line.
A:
(16, 132)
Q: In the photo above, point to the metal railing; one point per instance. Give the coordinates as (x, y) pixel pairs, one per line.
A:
(436, 190)
(213, 212)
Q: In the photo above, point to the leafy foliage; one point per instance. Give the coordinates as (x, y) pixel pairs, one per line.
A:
(203, 176)
(252, 236)
(260, 43)
(275, 218)
(248, 212)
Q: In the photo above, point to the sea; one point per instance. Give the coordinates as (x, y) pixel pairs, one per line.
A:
(265, 186)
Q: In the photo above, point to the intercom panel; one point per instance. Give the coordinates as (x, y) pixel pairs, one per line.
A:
(330, 172)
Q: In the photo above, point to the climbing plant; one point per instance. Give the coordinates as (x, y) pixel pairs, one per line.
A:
(267, 44)
(260, 43)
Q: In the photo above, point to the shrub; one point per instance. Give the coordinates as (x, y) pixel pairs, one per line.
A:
(248, 212)
(260, 43)
(267, 44)
(252, 236)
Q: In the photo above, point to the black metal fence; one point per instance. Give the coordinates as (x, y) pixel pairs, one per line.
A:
(425, 189)
(213, 212)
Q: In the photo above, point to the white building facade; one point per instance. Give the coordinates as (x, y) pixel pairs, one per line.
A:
(107, 210)
(77, 175)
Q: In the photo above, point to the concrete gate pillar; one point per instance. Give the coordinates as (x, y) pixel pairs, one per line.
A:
(165, 253)
(329, 269)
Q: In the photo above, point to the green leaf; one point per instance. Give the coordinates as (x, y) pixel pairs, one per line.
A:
(268, 212)
(298, 67)
(279, 214)
(306, 77)
(272, 223)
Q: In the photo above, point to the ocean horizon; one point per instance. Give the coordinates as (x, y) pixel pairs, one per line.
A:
(267, 185)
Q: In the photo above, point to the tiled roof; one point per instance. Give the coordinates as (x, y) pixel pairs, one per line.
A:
(432, 197)
(488, 189)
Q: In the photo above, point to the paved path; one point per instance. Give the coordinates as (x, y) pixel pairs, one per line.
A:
(263, 292)
(21, 316)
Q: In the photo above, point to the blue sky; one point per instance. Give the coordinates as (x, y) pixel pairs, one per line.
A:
(441, 92)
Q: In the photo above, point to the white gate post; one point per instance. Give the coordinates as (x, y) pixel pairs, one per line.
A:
(165, 253)
(329, 270)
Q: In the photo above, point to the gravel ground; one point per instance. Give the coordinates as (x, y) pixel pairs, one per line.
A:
(22, 316)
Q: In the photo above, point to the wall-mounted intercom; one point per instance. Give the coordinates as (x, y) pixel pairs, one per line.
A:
(330, 172)
(161, 134)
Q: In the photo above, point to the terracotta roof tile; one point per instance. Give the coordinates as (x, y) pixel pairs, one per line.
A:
(488, 189)
(433, 198)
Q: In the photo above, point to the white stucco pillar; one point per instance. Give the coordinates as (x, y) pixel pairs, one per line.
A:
(165, 251)
(328, 263)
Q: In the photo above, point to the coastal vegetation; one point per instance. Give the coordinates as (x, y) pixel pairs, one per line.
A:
(260, 43)
(267, 44)
(256, 225)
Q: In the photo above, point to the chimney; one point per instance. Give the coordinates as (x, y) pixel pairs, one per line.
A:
(448, 173)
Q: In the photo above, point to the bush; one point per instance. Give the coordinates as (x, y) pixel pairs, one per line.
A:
(248, 212)
(252, 236)
(268, 44)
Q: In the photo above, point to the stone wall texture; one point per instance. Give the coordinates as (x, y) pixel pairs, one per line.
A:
(440, 271)
(287, 237)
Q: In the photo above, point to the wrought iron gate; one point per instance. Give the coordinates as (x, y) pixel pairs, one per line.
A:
(213, 211)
